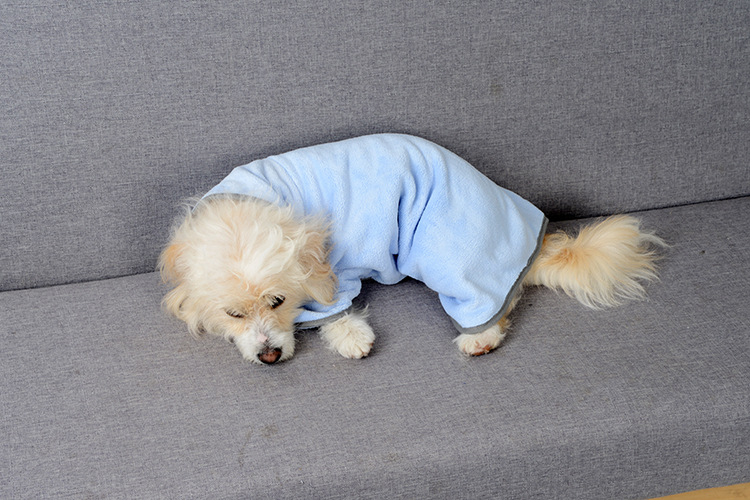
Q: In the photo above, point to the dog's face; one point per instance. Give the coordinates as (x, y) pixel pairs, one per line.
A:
(243, 269)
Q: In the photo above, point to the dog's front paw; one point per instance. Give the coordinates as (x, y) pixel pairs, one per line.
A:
(349, 335)
(476, 344)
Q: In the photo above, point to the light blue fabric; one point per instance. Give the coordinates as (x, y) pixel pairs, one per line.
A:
(403, 206)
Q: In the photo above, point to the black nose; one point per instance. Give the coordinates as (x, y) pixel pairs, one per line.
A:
(269, 355)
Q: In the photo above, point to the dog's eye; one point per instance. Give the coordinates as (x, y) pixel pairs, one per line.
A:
(277, 301)
(234, 314)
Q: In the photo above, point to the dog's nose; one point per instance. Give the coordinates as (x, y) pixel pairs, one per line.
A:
(270, 355)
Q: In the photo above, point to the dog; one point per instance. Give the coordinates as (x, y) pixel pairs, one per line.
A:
(284, 243)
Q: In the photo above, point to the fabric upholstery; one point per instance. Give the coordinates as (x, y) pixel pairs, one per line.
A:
(112, 112)
(105, 396)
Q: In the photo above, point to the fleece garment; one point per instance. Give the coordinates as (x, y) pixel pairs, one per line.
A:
(403, 206)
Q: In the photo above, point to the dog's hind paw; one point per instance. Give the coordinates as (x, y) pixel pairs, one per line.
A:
(351, 336)
(476, 344)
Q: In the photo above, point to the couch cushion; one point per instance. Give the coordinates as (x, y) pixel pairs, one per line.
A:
(104, 396)
(111, 112)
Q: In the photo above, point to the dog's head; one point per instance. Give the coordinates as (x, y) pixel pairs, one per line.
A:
(242, 269)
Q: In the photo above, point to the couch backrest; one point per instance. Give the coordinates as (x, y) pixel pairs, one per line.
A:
(112, 112)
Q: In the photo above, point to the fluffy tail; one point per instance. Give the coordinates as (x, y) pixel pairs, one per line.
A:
(604, 264)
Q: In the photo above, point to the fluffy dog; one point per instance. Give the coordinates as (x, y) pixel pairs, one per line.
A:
(284, 242)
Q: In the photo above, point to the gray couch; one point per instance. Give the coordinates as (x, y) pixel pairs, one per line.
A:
(113, 112)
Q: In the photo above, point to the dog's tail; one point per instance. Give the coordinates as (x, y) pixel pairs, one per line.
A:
(602, 265)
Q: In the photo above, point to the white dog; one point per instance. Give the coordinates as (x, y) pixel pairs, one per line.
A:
(285, 242)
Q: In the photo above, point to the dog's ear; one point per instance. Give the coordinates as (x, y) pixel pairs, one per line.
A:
(168, 263)
(169, 268)
(174, 300)
(321, 282)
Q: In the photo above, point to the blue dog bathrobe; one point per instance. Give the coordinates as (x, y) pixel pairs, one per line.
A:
(402, 206)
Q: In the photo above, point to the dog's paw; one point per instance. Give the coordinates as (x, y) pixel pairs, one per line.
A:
(349, 335)
(476, 344)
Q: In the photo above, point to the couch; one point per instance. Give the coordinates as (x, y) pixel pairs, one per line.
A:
(112, 113)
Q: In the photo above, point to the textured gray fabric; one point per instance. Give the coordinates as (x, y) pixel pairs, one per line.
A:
(103, 396)
(110, 112)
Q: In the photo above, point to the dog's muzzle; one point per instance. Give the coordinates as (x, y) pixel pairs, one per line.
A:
(269, 355)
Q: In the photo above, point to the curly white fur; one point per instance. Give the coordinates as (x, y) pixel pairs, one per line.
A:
(242, 270)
